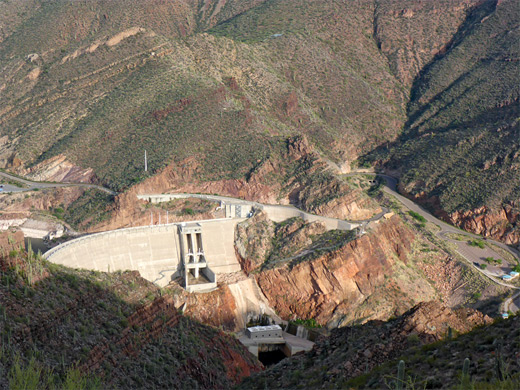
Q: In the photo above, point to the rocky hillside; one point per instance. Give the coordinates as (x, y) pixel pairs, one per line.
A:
(431, 339)
(87, 87)
(295, 175)
(106, 86)
(460, 149)
(409, 86)
(339, 279)
(79, 329)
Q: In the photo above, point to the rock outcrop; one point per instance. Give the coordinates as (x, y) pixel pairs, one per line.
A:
(365, 279)
(312, 189)
(502, 224)
(59, 169)
(353, 351)
(253, 241)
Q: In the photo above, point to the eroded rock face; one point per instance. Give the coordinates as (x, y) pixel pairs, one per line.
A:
(216, 308)
(27, 202)
(332, 288)
(502, 224)
(253, 241)
(426, 322)
(411, 34)
(431, 320)
(334, 199)
(353, 351)
(351, 206)
(59, 169)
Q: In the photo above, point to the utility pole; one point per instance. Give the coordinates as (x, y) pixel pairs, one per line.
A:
(166, 217)
(145, 162)
(151, 218)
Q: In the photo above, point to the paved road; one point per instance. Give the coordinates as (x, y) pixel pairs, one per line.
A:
(31, 185)
(230, 200)
(276, 212)
(469, 252)
(512, 304)
(473, 255)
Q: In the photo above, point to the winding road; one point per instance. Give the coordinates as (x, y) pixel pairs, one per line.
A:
(32, 185)
(474, 255)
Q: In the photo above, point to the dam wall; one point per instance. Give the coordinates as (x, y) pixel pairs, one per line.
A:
(154, 251)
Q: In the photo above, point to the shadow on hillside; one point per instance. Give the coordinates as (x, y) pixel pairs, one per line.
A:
(383, 153)
(116, 327)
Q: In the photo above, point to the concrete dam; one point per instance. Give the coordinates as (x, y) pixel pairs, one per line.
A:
(196, 251)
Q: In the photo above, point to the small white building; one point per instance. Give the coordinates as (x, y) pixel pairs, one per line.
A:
(264, 332)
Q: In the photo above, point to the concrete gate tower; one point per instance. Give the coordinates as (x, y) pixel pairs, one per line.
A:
(197, 274)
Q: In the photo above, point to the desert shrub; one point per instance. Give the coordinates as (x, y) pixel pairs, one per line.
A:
(417, 216)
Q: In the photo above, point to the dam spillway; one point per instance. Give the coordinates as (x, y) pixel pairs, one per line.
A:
(155, 251)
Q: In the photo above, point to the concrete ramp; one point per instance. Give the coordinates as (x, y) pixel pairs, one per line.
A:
(250, 301)
(154, 251)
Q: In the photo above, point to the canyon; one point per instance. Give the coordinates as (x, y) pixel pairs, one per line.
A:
(299, 153)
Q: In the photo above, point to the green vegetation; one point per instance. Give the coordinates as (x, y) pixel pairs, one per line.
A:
(88, 330)
(215, 92)
(295, 241)
(477, 243)
(462, 135)
(308, 323)
(32, 376)
(484, 358)
(89, 209)
(18, 184)
(105, 106)
(191, 206)
(375, 189)
(417, 216)
(492, 260)
(58, 212)
(400, 375)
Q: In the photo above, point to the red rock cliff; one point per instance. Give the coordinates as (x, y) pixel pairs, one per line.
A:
(335, 287)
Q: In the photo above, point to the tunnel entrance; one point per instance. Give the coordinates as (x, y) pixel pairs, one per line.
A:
(270, 354)
(269, 358)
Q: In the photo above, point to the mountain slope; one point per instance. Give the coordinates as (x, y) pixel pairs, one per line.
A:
(102, 85)
(460, 149)
(432, 340)
(224, 84)
(110, 330)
